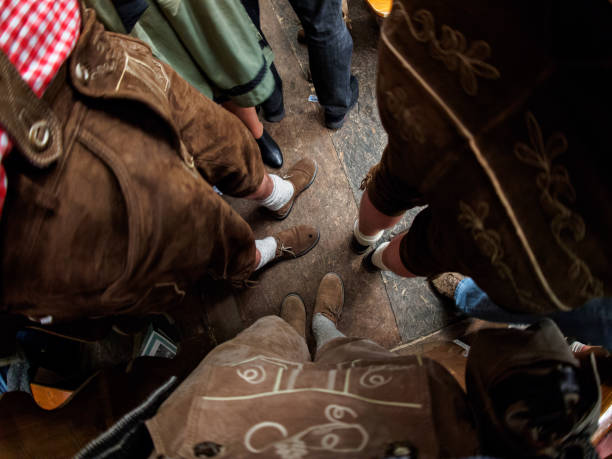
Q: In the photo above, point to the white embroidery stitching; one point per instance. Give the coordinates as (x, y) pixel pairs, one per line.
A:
(322, 437)
(254, 375)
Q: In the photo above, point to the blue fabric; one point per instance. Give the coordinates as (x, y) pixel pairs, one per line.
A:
(330, 48)
(590, 324)
(3, 375)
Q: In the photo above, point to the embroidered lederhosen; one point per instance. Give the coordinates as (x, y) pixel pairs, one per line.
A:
(503, 132)
(116, 213)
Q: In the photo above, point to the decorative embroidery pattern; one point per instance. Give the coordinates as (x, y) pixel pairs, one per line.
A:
(254, 375)
(323, 437)
(155, 79)
(379, 375)
(113, 56)
(555, 186)
(451, 48)
(489, 244)
(397, 102)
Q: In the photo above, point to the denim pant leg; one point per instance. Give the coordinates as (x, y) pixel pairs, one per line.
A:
(330, 48)
(275, 101)
(590, 324)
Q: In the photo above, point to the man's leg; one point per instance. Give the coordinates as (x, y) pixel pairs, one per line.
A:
(227, 156)
(388, 194)
(271, 153)
(370, 225)
(590, 324)
(330, 49)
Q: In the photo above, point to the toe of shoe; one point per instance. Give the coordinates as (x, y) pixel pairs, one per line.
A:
(302, 173)
(307, 237)
(297, 241)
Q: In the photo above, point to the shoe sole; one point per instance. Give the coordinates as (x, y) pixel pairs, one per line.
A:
(342, 285)
(282, 217)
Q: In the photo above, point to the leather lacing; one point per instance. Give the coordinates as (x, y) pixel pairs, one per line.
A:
(283, 249)
(365, 183)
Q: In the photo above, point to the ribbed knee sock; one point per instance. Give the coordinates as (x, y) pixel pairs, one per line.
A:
(267, 250)
(377, 256)
(282, 192)
(364, 239)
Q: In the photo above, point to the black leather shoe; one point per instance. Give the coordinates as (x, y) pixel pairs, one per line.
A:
(271, 153)
(357, 248)
(368, 264)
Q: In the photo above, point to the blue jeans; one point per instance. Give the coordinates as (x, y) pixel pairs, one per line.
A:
(330, 48)
(590, 324)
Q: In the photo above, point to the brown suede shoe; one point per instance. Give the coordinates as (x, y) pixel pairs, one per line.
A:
(330, 297)
(294, 313)
(295, 242)
(446, 284)
(301, 175)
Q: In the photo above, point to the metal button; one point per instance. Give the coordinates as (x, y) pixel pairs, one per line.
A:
(39, 134)
(47, 320)
(189, 161)
(81, 72)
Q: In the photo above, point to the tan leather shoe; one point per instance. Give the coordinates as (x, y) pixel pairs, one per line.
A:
(295, 242)
(446, 284)
(301, 175)
(330, 297)
(294, 313)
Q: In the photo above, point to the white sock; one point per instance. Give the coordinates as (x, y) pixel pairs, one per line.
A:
(267, 250)
(282, 192)
(362, 238)
(377, 256)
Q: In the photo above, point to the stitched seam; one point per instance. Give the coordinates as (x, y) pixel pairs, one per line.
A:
(99, 149)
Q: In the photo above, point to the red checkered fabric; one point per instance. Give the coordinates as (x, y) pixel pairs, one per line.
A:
(37, 36)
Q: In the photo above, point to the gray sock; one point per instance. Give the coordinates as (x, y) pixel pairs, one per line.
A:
(324, 330)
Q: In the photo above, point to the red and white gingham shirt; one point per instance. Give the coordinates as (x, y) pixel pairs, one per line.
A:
(37, 36)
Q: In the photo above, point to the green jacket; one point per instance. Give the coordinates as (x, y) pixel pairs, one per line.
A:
(212, 44)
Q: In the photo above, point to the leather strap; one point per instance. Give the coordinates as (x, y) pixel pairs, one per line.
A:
(29, 120)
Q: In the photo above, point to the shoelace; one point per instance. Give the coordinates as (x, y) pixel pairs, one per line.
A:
(289, 250)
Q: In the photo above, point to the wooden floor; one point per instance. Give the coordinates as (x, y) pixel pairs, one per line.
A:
(383, 307)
